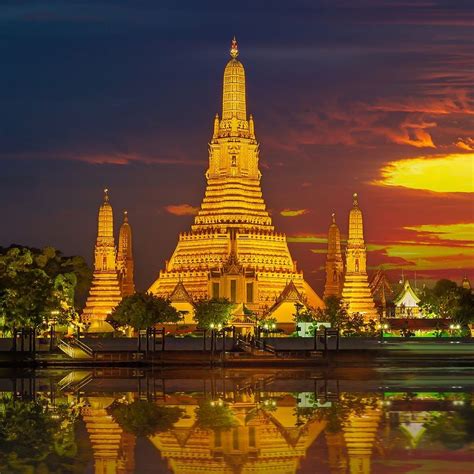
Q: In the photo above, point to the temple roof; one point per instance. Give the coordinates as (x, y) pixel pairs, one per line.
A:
(180, 294)
(407, 295)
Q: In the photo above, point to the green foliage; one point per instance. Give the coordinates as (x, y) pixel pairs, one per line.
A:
(36, 438)
(36, 287)
(453, 429)
(215, 416)
(447, 300)
(347, 406)
(214, 311)
(144, 310)
(334, 312)
(144, 418)
(303, 314)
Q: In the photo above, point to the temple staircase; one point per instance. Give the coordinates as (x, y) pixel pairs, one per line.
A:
(76, 349)
(75, 380)
(259, 349)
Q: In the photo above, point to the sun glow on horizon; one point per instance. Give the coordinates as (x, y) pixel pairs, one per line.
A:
(442, 174)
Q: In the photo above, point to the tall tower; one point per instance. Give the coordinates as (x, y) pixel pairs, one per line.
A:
(232, 249)
(356, 291)
(125, 258)
(104, 293)
(334, 263)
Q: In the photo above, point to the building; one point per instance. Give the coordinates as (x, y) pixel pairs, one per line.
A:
(109, 284)
(356, 292)
(406, 303)
(232, 249)
(334, 262)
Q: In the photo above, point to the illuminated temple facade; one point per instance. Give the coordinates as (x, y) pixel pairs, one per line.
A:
(113, 272)
(356, 292)
(232, 249)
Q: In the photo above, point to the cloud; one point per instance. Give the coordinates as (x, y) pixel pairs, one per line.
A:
(98, 158)
(293, 212)
(446, 233)
(441, 173)
(465, 143)
(303, 238)
(181, 209)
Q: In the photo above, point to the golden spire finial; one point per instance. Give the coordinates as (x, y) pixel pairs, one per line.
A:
(125, 216)
(355, 201)
(234, 50)
(106, 195)
(333, 215)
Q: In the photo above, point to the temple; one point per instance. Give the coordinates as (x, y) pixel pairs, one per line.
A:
(113, 274)
(334, 263)
(406, 303)
(356, 292)
(125, 258)
(232, 249)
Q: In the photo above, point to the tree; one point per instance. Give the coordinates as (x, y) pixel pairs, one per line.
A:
(213, 415)
(144, 310)
(35, 286)
(447, 300)
(29, 296)
(303, 314)
(212, 313)
(334, 312)
(36, 438)
(145, 418)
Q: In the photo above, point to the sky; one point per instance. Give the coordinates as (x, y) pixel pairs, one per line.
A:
(370, 96)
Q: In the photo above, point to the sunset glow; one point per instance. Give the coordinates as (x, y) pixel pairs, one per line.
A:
(441, 174)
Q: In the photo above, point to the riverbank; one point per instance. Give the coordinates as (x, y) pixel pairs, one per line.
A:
(279, 352)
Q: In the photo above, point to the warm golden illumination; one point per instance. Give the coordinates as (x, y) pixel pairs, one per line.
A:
(104, 293)
(356, 292)
(232, 249)
(441, 174)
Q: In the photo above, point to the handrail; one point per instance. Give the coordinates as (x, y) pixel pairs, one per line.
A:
(88, 350)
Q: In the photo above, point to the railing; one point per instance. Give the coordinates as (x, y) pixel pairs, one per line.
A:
(72, 347)
(88, 350)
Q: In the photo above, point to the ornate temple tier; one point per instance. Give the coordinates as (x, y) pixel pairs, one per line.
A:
(233, 250)
(356, 291)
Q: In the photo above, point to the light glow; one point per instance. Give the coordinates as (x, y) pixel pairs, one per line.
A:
(441, 174)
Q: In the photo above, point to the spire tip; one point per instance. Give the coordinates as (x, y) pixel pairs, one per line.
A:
(234, 50)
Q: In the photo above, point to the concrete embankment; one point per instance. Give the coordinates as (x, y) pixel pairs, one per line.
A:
(278, 352)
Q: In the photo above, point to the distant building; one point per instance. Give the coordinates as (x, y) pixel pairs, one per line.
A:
(406, 303)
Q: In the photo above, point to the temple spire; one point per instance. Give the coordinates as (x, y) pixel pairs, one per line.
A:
(334, 262)
(125, 264)
(356, 292)
(233, 96)
(104, 293)
(234, 50)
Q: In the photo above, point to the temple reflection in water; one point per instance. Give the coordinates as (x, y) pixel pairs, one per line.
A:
(247, 424)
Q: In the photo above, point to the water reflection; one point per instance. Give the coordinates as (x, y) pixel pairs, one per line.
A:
(236, 423)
